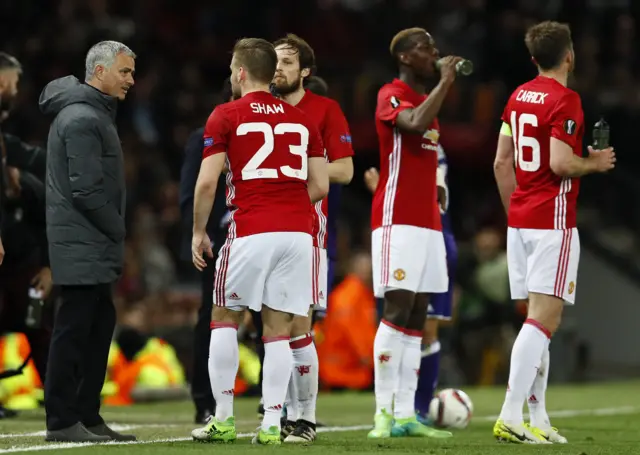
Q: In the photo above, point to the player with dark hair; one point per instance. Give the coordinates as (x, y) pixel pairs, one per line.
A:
(407, 245)
(276, 166)
(296, 62)
(441, 304)
(541, 138)
(317, 85)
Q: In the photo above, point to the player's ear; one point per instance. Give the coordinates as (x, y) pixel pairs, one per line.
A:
(242, 75)
(306, 72)
(403, 58)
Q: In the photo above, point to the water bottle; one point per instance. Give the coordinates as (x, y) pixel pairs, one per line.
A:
(33, 319)
(463, 67)
(601, 135)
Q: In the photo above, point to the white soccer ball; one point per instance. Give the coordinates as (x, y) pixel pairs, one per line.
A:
(451, 408)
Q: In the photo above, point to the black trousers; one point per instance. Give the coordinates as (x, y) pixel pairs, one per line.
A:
(82, 332)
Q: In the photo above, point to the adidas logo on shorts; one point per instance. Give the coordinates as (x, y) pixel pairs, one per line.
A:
(234, 296)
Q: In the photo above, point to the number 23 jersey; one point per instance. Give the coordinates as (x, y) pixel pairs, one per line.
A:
(267, 143)
(537, 111)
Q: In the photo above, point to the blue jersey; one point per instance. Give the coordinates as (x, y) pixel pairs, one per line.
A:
(442, 164)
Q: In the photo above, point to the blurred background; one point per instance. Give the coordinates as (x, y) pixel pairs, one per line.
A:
(183, 50)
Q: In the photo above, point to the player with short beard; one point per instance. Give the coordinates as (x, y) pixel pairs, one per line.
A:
(296, 61)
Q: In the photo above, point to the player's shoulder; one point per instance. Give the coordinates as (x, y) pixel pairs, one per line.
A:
(395, 87)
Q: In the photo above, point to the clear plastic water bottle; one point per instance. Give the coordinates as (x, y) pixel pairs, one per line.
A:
(601, 135)
(463, 67)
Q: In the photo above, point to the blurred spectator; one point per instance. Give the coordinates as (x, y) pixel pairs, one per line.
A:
(345, 337)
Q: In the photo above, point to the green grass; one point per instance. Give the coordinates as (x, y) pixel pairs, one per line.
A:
(597, 419)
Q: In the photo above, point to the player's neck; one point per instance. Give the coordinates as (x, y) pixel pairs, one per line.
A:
(413, 82)
(294, 98)
(560, 76)
(253, 88)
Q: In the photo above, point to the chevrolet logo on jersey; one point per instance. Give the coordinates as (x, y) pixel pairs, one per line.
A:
(433, 135)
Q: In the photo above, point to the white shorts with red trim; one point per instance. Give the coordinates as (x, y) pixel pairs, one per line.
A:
(319, 275)
(272, 269)
(544, 261)
(410, 258)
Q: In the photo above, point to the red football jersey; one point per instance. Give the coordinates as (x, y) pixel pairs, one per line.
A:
(406, 193)
(326, 114)
(537, 111)
(267, 143)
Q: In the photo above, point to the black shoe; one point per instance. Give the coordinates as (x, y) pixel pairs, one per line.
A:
(74, 433)
(7, 413)
(286, 428)
(303, 433)
(104, 430)
(202, 416)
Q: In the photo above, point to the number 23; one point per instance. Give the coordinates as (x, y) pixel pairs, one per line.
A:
(252, 169)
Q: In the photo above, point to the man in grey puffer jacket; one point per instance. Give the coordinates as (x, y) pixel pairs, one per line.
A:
(85, 199)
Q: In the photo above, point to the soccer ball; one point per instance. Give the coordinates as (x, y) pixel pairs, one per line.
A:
(451, 408)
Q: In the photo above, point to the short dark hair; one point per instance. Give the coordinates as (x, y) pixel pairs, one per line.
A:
(317, 85)
(548, 43)
(305, 52)
(258, 57)
(9, 62)
(403, 40)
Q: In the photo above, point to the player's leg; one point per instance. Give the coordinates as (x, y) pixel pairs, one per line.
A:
(439, 309)
(305, 356)
(396, 279)
(287, 293)
(510, 426)
(432, 279)
(238, 283)
(429, 367)
(566, 244)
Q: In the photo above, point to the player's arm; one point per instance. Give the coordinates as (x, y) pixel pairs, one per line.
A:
(318, 174)
(214, 157)
(340, 170)
(565, 130)
(205, 191)
(418, 119)
(503, 166)
(441, 181)
(337, 140)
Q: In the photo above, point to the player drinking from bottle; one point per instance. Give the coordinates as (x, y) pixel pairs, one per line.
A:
(407, 246)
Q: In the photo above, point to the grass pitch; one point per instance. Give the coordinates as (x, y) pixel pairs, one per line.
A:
(597, 419)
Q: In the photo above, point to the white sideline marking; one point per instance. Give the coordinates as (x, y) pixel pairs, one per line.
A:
(72, 445)
(115, 426)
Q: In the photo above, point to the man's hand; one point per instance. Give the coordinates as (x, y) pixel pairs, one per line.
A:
(371, 179)
(200, 244)
(442, 198)
(1, 251)
(43, 282)
(603, 160)
(448, 68)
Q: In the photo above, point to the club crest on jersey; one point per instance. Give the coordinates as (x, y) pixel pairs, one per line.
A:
(399, 274)
(208, 141)
(394, 102)
(433, 135)
(569, 127)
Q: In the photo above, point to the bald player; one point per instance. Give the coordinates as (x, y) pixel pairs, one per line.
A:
(407, 245)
